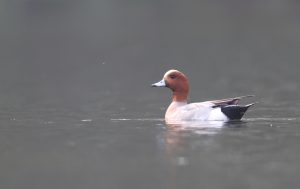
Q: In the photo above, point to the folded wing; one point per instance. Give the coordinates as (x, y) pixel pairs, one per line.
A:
(228, 101)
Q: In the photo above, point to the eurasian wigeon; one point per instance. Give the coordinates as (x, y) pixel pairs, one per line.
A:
(215, 110)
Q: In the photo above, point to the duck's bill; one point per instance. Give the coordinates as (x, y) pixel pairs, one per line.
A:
(161, 83)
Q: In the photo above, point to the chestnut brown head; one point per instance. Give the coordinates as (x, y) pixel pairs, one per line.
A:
(177, 82)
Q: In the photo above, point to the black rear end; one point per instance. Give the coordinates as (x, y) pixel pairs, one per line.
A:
(235, 112)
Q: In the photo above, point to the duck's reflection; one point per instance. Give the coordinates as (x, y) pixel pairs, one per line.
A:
(199, 127)
(184, 134)
(187, 144)
(180, 136)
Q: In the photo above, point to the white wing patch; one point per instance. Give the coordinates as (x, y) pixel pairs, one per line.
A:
(217, 115)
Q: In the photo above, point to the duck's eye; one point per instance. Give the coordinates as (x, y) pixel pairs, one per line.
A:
(172, 76)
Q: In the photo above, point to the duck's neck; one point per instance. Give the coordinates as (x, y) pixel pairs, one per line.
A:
(180, 96)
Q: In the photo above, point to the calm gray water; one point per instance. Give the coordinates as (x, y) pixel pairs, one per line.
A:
(77, 109)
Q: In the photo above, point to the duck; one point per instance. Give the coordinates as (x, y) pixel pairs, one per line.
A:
(213, 110)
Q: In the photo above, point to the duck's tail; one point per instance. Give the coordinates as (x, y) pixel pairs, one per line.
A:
(235, 112)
